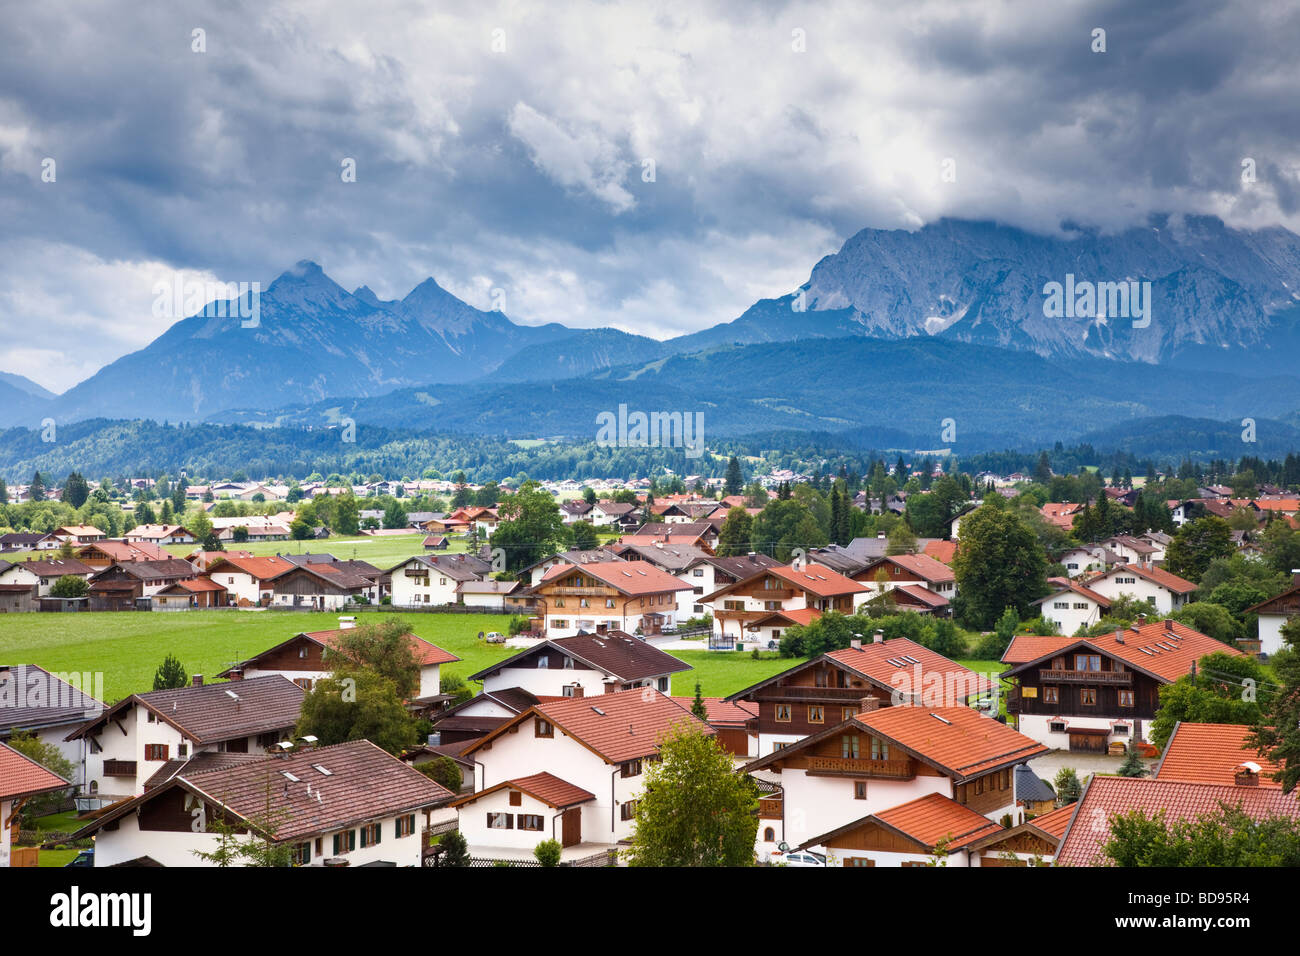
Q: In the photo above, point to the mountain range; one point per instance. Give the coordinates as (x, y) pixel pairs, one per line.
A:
(947, 321)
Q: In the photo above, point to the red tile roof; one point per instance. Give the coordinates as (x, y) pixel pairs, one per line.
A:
(819, 580)
(883, 663)
(933, 817)
(628, 577)
(921, 565)
(721, 712)
(261, 568)
(955, 739)
(1030, 647)
(1153, 574)
(1108, 797)
(20, 776)
(1212, 753)
(1165, 649)
(942, 551)
(1057, 821)
(425, 653)
(544, 786)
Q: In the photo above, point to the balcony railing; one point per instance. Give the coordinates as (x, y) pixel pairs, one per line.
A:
(813, 693)
(1086, 677)
(119, 768)
(580, 592)
(891, 769)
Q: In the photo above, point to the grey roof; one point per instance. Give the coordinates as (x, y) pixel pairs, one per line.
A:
(1029, 787)
(31, 698)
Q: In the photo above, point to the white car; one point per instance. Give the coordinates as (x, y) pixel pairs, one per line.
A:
(495, 637)
(798, 858)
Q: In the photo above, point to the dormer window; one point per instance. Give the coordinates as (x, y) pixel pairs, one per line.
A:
(568, 663)
(543, 662)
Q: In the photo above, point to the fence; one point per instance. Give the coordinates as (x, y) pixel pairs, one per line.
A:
(427, 608)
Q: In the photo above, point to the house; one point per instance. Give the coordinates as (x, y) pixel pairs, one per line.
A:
(1072, 606)
(349, 804)
(20, 779)
(1164, 591)
(808, 697)
(1061, 513)
(302, 659)
(190, 594)
(914, 833)
(247, 580)
(103, 553)
(1106, 798)
(744, 609)
(620, 514)
(701, 534)
(48, 706)
(123, 585)
(1081, 560)
(570, 770)
(43, 572)
(919, 570)
(1215, 753)
(79, 534)
(435, 542)
(1273, 613)
(471, 720)
(131, 740)
(535, 572)
(488, 593)
(18, 598)
(884, 758)
(575, 510)
(708, 573)
(202, 560)
(1085, 693)
(325, 585)
(159, 534)
(1034, 842)
(583, 665)
(29, 541)
(428, 579)
(630, 596)
(1033, 796)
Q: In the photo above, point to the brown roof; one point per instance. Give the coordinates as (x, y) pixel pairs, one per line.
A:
(1108, 797)
(628, 577)
(1160, 576)
(425, 653)
(126, 550)
(720, 712)
(882, 662)
(544, 786)
(31, 698)
(616, 727)
(819, 579)
(616, 653)
(956, 739)
(363, 784)
(922, 565)
(926, 820)
(209, 713)
(49, 567)
(1212, 753)
(21, 776)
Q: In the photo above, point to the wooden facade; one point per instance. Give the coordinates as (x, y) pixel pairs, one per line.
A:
(789, 705)
(1084, 683)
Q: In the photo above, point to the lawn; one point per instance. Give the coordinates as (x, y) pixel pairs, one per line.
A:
(56, 857)
(724, 672)
(383, 551)
(128, 646)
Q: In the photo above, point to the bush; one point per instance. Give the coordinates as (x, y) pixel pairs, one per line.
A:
(444, 771)
(548, 852)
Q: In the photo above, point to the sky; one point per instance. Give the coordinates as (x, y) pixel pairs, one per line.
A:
(652, 167)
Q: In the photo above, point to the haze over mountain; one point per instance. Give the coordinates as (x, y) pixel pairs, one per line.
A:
(1221, 299)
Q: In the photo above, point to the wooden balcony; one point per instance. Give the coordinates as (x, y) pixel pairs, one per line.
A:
(856, 767)
(119, 768)
(1048, 676)
(580, 592)
(830, 694)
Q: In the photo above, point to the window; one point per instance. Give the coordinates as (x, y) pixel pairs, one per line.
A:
(1057, 727)
(821, 678)
(769, 835)
(849, 746)
(530, 821)
(516, 798)
(345, 842)
(500, 821)
(560, 623)
(543, 728)
(1061, 605)
(304, 682)
(783, 712)
(816, 714)
(609, 602)
(405, 826)
(1081, 605)
(847, 712)
(1126, 698)
(302, 653)
(979, 786)
(627, 811)
(859, 790)
(698, 572)
(1058, 663)
(1051, 695)
(860, 861)
(559, 602)
(182, 750)
(369, 835)
(1087, 662)
(301, 854)
(879, 749)
(631, 769)
(543, 663)
(155, 751)
(1088, 696)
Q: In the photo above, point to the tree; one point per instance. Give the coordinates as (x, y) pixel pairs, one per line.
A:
(1226, 689)
(1132, 765)
(1067, 786)
(251, 842)
(36, 490)
(697, 705)
(1196, 544)
(999, 565)
(1278, 736)
(347, 514)
(384, 648)
(48, 756)
(1224, 837)
(444, 771)
(359, 706)
(900, 540)
(548, 852)
(69, 586)
(737, 533)
(75, 490)
(394, 516)
(734, 483)
(531, 527)
(170, 674)
(584, 536)
(695, 810)
(455, 851)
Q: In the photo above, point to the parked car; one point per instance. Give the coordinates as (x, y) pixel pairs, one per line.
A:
(496, 637)
(798, 858)
(84, 858)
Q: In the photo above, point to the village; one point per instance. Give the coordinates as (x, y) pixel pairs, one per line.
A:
(876, 687)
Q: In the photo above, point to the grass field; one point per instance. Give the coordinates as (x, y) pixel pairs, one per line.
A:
(128, 646)
(383, 552)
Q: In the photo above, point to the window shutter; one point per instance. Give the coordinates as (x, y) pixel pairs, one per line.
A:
(336, 845)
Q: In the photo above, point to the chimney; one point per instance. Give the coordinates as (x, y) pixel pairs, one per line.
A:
(196, 680)
(578, 691)
(1142, 620)
(856, 643)
(869, 704)
(1169, 624)
(878, 637)
(1247, 774)
(236, 673)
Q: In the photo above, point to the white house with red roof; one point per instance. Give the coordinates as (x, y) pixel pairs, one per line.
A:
(570, 770)
(1071, 605)
(1164, 591)
(20, 778)
(631, 596)
(762, 606)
